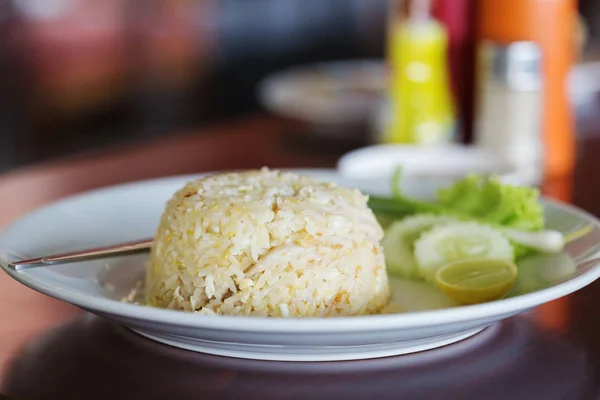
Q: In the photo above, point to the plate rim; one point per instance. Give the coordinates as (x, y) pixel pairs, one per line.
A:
(368, 323)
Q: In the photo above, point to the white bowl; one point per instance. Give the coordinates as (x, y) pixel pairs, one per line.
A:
(425, 167)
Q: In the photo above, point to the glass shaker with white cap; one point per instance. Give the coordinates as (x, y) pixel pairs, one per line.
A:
(509, 104)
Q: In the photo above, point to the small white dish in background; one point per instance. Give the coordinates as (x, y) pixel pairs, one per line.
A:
(425, 167)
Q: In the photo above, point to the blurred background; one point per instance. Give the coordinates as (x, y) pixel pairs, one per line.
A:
(82, 75)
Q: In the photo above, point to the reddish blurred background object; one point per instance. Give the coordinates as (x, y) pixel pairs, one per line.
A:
(76, 52)
(83, 53)
(458, 16)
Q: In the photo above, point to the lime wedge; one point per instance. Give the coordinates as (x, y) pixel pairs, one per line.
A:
(475, 281)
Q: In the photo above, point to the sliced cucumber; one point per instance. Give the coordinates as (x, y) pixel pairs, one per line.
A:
(458, 241)
(398, 242)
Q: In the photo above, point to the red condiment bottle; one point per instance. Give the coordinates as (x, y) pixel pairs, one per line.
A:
(458, 16)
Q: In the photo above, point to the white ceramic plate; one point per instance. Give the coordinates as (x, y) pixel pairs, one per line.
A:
(131, 211)
(336, 93)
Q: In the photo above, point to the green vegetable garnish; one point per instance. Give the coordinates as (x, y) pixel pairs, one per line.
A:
(399, 205)
(476, 217)
(476, 197)
(489, 200)
(578, 233)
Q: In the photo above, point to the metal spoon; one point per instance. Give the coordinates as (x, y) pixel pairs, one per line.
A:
(138, 246)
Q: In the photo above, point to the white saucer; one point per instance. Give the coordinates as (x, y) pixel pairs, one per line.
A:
(131, 211)
(431, 167)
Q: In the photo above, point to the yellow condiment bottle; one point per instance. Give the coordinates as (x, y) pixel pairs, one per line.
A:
(421, 108)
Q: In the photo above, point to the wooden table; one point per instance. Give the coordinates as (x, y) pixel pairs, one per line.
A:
(49, 350)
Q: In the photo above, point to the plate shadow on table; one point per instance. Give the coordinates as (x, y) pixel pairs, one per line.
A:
(94, 358)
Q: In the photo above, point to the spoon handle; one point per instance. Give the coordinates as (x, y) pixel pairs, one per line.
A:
(84, 255)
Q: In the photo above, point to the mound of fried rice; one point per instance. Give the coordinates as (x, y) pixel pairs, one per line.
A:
(267, 243)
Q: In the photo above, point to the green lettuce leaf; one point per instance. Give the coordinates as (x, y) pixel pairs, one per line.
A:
(488, 200)
(481, 198)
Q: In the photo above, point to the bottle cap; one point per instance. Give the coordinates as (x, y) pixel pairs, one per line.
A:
(517, 64)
